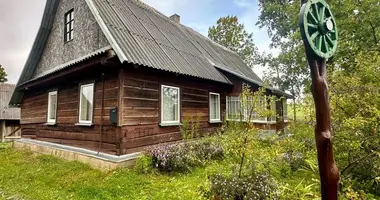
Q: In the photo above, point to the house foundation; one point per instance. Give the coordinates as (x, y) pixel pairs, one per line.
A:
(97, 160)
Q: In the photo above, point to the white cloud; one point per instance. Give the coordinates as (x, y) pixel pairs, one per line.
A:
(19, 22)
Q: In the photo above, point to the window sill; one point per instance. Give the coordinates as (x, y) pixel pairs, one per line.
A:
(255, 121)
(50, 124)
(170, 124)
(215, 121)
(84, 124)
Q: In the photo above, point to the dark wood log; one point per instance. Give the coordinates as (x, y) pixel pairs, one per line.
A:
(328, 171)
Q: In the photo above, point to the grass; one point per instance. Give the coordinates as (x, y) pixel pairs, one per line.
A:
(30, 176)
(24, 175)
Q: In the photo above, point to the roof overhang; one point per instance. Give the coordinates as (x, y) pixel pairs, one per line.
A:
(271, 89)
(37, 50)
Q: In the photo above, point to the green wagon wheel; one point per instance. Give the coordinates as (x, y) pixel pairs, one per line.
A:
(318, 28)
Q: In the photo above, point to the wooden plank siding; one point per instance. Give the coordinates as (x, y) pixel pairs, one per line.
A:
(34, 114)
(142, 111)
(136, 92)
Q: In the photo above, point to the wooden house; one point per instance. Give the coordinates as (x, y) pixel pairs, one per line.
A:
(9, 117)
(117, 76)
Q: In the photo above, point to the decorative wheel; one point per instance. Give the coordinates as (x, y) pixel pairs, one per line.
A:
(318, 28)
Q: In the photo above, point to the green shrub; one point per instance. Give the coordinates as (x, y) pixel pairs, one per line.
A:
(295, 160)
(144, 164)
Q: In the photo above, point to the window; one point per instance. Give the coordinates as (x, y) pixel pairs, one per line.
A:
(248, 109)
(69, 25)
(233, 108)
(285, 109)
(170, 104)
(273, 116)
(86, 103)
(214, 107)
(52, 107)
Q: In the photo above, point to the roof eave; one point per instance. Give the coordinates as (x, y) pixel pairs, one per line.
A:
(36, 51)
(274, 90)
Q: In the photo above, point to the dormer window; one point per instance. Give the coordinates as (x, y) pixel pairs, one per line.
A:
(69, 25)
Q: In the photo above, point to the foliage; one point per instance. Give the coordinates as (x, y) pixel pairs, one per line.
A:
(253, 186)
(144, 164)
(26, 175)
(354, 83)
(294, 159)
(231, 34)
(3, 75)
(183, 157)
(57, 179)
(190, 127)
(355, 102)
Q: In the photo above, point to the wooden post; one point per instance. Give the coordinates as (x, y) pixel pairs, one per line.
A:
(2, 130)
(328, 171)
(316, 57)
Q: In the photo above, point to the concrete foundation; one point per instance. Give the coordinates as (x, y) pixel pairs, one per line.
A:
(101, 161)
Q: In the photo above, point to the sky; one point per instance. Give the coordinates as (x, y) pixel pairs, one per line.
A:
(20, 20)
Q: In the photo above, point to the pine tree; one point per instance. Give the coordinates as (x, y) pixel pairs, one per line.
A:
(3, 75)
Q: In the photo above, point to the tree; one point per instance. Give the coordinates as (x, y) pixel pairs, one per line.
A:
(231, 34)
(287, 71)
(3, 75)
(353, 77)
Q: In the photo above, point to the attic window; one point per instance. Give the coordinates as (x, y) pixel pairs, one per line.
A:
(69, 25)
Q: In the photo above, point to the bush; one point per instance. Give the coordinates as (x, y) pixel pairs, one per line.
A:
(295, 160)
(143, 164)
(254, 186)
(183, 157)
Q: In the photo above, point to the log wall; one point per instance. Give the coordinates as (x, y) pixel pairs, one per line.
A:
(66, 131)
(141, 106)
(136, 92)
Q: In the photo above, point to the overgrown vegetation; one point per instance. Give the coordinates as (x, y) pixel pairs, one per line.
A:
(278, 167)
(184, 157)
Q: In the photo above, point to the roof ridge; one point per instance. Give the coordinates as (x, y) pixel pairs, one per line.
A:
(145, 5)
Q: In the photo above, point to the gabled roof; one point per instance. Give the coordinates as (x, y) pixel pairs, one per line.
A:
(141, 35)
(7, 113)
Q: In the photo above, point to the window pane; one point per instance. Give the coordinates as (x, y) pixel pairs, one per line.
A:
(52, 107)
(214, 107)
(170, 97)
(67, 18)
(86, 104)
(71, 25)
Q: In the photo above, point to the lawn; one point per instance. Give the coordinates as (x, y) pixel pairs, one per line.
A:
(289, 161)
(29, 176)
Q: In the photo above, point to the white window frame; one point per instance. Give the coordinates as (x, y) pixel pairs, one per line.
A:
(49, 120)
(80, 104)
(219, 116)
(162, 105)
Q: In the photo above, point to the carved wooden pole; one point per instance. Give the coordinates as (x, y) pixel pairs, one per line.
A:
(320, 37)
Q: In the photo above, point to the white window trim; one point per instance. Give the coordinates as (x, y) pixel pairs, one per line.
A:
(80, 104)
(219, 117)
(49, 120)
(162, 105)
